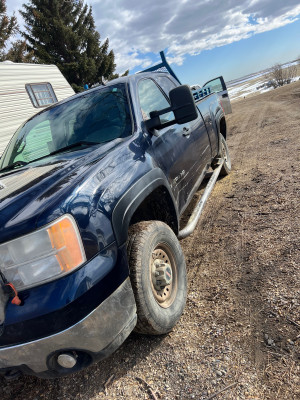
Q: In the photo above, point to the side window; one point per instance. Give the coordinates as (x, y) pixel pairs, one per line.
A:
(38, 143)
(152, 99)
(165, 83)
(41, 94)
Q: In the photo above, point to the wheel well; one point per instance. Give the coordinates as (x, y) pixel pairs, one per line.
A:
(157, 206)
(223, 128)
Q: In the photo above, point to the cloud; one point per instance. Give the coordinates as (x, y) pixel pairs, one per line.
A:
(184, 27)
(136, 28)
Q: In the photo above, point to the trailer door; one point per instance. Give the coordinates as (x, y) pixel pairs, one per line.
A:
(217, 85)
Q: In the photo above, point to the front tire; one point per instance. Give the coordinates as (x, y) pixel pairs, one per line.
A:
(158, 276)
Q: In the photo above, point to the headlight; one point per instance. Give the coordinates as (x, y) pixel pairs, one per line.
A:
(44, 255)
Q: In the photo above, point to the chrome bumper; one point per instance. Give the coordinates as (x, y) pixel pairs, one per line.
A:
(93, 334)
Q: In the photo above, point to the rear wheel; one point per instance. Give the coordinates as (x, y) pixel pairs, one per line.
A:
(224, 155)
(158, 276)
(226, 168)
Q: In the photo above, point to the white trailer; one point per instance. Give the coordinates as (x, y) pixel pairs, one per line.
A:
(25, 89)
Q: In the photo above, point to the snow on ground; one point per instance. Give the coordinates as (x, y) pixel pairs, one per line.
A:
(296, 62)
(246, 88)
(247, 78)
(253, 83)
(247, 85)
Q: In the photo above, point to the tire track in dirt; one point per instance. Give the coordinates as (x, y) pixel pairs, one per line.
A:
(239, 147)
(212, 281)
(250, 156)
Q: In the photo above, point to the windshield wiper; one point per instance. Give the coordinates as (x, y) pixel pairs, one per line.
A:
(61, 150)
(69, 147)
(13, 165)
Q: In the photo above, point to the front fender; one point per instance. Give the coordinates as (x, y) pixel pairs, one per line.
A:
(133, 197)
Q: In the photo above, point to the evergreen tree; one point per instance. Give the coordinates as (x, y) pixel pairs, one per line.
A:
(62, 32)
(8, 26)
(19, 53)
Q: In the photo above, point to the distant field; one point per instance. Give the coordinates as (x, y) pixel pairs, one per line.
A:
(247, 85)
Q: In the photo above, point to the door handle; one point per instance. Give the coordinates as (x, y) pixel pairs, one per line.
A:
(186, 131)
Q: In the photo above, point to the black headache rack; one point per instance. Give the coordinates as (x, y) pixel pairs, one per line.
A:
(198, 94)
(162, 67)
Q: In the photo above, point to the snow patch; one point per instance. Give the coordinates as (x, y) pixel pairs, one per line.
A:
(246, 87)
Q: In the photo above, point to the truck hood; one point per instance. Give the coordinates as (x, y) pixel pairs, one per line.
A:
(26, 192)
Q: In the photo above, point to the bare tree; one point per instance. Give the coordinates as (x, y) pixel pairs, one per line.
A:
(280, 76)
(291, 72)
(277, 75)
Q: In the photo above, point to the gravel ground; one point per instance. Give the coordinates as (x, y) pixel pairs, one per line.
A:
(239, 335)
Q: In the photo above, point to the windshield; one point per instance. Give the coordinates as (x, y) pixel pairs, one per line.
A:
(97, 116)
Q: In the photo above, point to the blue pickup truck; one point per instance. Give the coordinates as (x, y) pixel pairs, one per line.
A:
(91, 194)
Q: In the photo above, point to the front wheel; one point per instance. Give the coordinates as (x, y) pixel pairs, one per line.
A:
(158, 276)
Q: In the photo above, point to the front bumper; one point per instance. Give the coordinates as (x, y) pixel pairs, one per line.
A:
(93, 338)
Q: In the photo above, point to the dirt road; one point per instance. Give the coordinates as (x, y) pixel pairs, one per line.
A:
(240, 329)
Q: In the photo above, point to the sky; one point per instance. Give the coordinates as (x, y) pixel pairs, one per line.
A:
(202, 39)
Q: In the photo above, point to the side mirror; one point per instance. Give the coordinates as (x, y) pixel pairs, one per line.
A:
(182, 105)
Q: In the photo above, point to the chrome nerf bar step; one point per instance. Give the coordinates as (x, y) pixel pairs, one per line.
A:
(196, 214)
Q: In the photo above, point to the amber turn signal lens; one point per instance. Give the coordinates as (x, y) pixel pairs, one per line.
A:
(64, 239)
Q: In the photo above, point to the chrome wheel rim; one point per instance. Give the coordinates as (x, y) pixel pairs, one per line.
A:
(225, 155)
(163, 275)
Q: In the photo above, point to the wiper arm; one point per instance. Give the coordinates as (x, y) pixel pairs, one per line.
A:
(61, 150)
(69, 147)
(13, 165)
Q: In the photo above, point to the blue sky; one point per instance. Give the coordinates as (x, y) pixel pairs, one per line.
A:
(201, 38)
(243, 57)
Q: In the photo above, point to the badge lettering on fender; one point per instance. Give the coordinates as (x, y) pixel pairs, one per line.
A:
(178, 177)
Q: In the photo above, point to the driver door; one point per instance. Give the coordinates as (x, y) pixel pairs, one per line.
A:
(171, 147)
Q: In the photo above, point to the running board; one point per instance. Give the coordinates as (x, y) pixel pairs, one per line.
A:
(196, 214)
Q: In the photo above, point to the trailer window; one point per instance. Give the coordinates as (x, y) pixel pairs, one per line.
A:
(41, 94)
